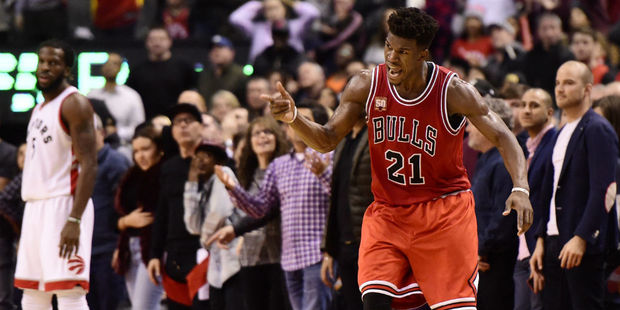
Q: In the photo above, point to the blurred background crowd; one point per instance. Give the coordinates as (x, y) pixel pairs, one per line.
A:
(196, 82)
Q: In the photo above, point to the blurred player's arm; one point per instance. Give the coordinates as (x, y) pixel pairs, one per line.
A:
(77, 112)
(324, 138)
(463, 99)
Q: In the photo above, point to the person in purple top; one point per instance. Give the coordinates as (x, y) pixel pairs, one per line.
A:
(298, 183)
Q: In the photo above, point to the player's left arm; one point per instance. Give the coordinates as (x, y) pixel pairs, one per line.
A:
(463, 99)
(77, 112)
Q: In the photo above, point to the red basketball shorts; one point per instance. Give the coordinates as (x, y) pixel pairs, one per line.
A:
(422, 253)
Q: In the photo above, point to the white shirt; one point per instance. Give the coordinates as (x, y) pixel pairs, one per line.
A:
(126, 107)
(559, 151)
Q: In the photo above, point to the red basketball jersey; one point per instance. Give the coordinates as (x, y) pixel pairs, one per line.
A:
(416, 154)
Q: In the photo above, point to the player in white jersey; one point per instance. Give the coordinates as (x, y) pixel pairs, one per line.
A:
(58, 179)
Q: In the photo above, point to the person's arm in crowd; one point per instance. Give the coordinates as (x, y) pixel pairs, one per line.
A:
(116, 172)
(354, 25)
(220, 196)
(306, 11)
(248, 223)
(11, 206)
(242, 17)
(254, 205)
(160, 227)
(322, 167)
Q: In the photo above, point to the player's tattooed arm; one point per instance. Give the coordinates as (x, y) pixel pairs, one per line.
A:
(463, 99)
(325, 138)
(77, 114)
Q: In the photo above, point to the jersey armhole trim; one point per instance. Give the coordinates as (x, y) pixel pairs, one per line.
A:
(444, 107)
(371, 92)
(62, 124)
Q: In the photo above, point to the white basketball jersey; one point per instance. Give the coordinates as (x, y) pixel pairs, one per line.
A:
(50, 167)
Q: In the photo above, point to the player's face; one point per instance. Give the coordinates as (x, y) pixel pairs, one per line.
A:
(402, 57)
(534, 113)
(145, 153)
(51, 69)
(570, 90)
(263, 140)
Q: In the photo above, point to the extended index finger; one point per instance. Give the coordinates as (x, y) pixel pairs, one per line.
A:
(283, 91)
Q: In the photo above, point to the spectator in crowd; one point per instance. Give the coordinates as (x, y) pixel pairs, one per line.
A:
(234, 122)
(169, 234)
(311, 78)
(506, 52)
(493, 12)
(193, 97)
(297, 183)
(497, 238)
(540, 64)
(339, 76)
(11, 211)
(373, 53)
(256, 18)
(115, 20)
(280, 56)
(255, 87)
(211, 129)
(40, 20)
(221, 73)
(342, 25)
(161, 78)
(176, 19)
(474, 46)
(536, 117)
(260, 253)
(106, 288)
(208, 18)
(122, 101)
(579, 193)
(586, 47)
(207, 207)
(512, 93)
(223, 102)
(351, 195)
(328, 98)
(8, 168)
(136, 202)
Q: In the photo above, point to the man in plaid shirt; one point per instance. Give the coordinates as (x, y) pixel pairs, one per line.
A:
(299, 183)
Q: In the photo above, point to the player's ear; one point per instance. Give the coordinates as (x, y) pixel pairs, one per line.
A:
(424, 55)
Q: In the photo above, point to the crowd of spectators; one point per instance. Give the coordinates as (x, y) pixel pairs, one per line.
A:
(192, 160)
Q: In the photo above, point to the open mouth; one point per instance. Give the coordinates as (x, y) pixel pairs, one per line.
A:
(394, 73)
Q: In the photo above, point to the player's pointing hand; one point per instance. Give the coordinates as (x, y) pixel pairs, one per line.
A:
(281, 104)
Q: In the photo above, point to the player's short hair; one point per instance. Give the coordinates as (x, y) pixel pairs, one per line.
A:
(69, 53)
(413, 23)
(501, 108)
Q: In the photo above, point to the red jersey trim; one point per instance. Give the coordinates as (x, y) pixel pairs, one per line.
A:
(66, 285)
(411, 102)
(26, 284)
(444, 107)
(373, 88)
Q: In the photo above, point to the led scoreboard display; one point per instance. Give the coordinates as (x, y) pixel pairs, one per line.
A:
(18, 92)
(17, 76)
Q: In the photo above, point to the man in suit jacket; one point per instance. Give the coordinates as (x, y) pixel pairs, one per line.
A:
(536, 117)
(579, 189)
(351, 195)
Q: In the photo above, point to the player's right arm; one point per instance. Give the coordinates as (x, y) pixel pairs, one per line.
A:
(324, 138)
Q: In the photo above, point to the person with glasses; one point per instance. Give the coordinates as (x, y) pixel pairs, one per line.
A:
(169, 233)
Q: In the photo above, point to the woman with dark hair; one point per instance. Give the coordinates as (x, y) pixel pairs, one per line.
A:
(474, 46)
(136, 201)
(260, 252)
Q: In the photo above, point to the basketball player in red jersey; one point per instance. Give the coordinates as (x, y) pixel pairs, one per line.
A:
(419, 241)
